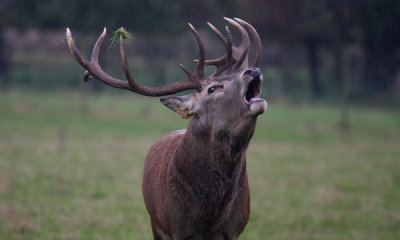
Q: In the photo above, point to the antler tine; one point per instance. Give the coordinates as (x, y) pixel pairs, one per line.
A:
(132, 82)
(93, 69)
(96, 49)
(86, 77)
(228, 51)
(219, 34)
(256, 38)
(74, 50)
(219, 63)
(187, 71)
(244, 46)
(200, 63)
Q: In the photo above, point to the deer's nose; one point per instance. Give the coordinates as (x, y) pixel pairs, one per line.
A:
(254, 72)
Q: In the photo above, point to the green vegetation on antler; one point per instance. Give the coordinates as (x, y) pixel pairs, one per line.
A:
(120, 32)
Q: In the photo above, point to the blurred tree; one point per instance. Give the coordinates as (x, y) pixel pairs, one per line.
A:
(4, 52)
(4, 60)
(380, 24)
(91, 15)
(208, 10)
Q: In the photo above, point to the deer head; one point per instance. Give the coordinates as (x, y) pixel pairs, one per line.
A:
(219, 101)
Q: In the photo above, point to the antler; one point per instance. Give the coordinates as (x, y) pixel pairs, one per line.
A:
(235, 58)
(94, 70)
(238, 55)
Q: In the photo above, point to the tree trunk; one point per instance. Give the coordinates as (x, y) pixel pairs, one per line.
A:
(312, 56)
(380, 72)
(4, 61)
(341, 75)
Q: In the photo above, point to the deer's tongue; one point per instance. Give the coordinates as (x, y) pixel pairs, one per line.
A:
(256, 99)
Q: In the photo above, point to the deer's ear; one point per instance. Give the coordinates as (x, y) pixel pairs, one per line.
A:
(182, 105)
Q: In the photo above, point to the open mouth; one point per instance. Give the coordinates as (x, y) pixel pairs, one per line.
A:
(253, 91)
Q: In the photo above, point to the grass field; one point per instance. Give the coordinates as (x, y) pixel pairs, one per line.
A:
(71, 173)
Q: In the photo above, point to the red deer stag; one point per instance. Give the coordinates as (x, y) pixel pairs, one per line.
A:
(195, 182)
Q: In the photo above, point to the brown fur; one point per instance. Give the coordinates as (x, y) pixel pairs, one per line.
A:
(195, 184)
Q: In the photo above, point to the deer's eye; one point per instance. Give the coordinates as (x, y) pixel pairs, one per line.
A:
(213, 89)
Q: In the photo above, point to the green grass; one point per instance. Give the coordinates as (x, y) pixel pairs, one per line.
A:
(71, 173)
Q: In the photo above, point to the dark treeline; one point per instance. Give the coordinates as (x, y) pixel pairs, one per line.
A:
(318, 48)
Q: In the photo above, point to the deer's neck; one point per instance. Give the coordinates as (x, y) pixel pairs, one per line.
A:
(210, 166)
(215, 149)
